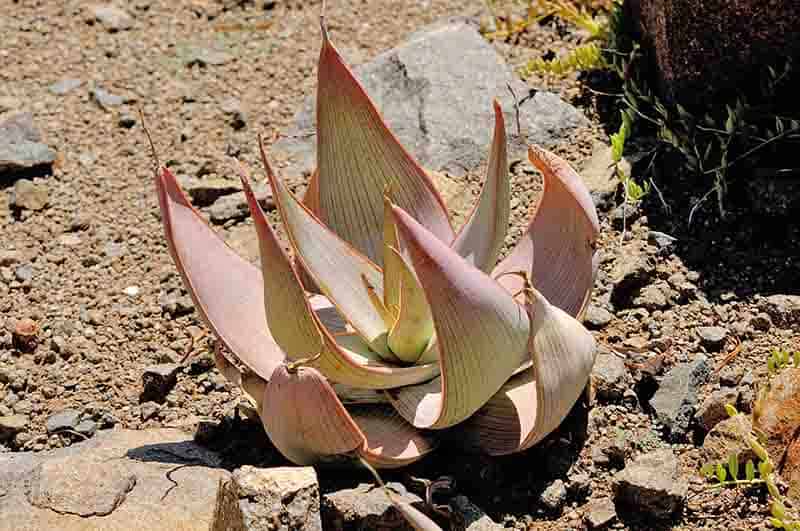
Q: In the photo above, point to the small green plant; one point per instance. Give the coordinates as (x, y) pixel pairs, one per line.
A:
(578, 12)
(780, 359)
(744, 131)
(633, 190)
(587, 56)
(730, 474)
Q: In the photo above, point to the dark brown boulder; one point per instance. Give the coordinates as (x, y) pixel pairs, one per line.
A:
(702, 47)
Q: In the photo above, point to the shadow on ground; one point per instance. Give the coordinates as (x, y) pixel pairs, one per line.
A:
(744, 253)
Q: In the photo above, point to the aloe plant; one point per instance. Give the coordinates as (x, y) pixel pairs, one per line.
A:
(385, 326)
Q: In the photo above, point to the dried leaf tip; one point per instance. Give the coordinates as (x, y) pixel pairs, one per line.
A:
(156, 162)
(322, 25)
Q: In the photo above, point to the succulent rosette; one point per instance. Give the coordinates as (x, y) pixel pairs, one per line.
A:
(384, 325)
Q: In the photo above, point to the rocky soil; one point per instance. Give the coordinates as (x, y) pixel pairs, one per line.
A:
(97, 332)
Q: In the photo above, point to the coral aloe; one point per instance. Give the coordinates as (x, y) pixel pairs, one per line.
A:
(386, 326)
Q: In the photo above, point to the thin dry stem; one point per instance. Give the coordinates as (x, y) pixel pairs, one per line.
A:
(156, 162)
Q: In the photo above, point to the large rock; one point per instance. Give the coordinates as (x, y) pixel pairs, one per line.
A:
(367, 507)
(21, 146)
(694, 63)
(155, 480)
(651, 485)
(775, 414)
(288, 496)
(727, 438)
(783, 309)
(675, 401)
(435, 91)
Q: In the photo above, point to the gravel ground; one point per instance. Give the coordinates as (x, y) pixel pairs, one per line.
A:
(92, 269)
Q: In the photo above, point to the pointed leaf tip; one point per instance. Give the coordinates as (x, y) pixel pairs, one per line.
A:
(288, 312)
(557, 249)
(483, 235)
(337, 269)
(226, 289)
(357, 157)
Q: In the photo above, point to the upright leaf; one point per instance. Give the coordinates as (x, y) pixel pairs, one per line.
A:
(481, 332)
(556, 250)
(482, 236)
(413, 328)
(226, 289)
(358, 157)
(344, 275)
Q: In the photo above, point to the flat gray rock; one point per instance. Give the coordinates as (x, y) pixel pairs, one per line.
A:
(64, 86)
(21, 147)
(650, 485)
(110, 17)
(118, 481)
(676, 399)
(435, 91)
(66, 419)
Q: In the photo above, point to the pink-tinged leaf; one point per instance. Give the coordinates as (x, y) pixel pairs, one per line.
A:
(482, 236)
(556, 251)
(358, 157)
(305, 420)
(311, 197)
(391, 441)
(342, 274)
(288, 311)
(226, 289)
(481, 332)
(534, 403)
(300, 329)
